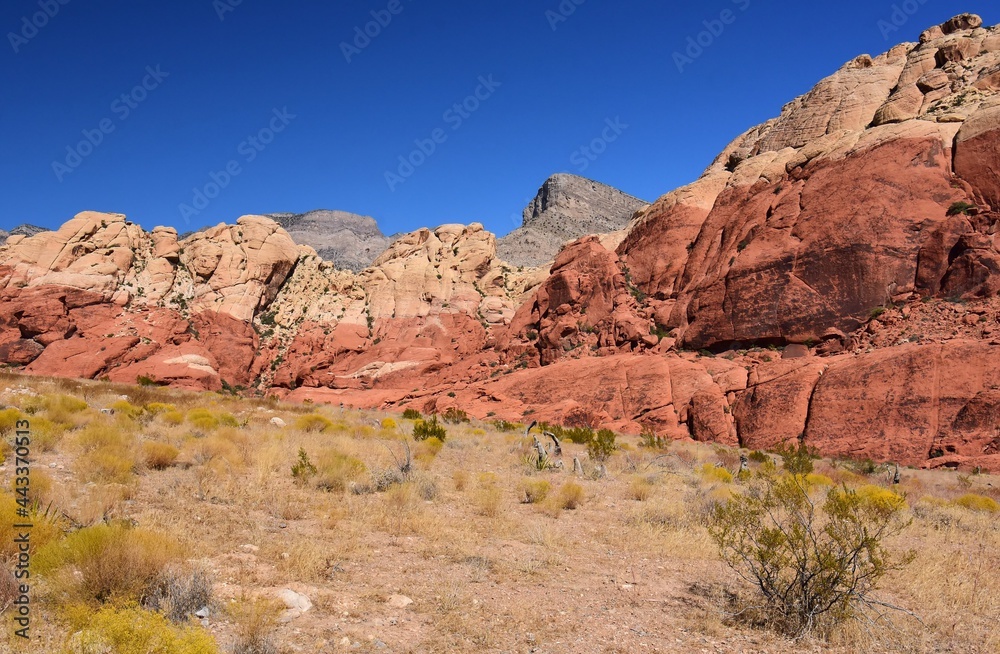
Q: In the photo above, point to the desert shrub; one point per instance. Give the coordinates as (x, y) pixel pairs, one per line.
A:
(227, 419)
(203, 420)
(303, 470)
(715, 474)
(39, 490)
(649, 438)
(45, 527)
(412, 414)
(506, 427)
(960, 208)
(797, 460)
(758, 457)
(337, 471)
(454, 416)
(461, 479)
(159, 456)
(488, 500)
(64, 404)
(8, 420)
(108, 465)
(428, 449)
(179, 593)
(127, 409)
(570, 496)
(313, 422)
(107, 562)
(156, 408)
(534, 490)
(979, 503)
(578, 435)
(813, 563)
(424, 429)
(132, 630)
(602, 445)
(389, 424)
(45, 434)
(172, 417)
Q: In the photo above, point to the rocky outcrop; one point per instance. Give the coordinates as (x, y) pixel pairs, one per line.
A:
(349, 241)
(833, 278)
(566, 208)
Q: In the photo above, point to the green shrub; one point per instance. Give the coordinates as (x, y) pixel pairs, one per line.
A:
(649, 438)
(578, 435)
(602, 445)
(303, 470)
(797, 460)
(412, 414)
(132, 630)
(961, 208)
(505, 427)
(814, 564)
(425, 429)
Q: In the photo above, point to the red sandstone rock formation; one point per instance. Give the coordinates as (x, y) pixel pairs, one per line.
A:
(842, 262)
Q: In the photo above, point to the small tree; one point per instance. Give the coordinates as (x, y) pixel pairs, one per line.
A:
(814, 562)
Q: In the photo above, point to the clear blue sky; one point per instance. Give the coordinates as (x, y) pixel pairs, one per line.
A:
(227, 76)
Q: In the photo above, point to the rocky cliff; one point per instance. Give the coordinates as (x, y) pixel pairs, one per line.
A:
(832, 279)
(566, 208)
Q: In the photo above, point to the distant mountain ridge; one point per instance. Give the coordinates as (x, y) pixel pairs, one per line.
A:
(566, 208)
(21, 230)
(348, 240)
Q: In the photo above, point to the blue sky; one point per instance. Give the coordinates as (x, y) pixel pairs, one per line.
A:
(195, 112)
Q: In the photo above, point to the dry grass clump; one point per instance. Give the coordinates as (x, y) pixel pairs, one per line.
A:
(254, 624)
(179, 593)
(106, 563)
(107, 454)
(533, 490)
(979, 503)
(159, 456)
(336, 471)
(313, 422)
(714, 473)
(570, 496)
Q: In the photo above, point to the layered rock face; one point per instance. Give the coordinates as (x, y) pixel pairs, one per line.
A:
(833, 278)
(566, 208)
(349, 241)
